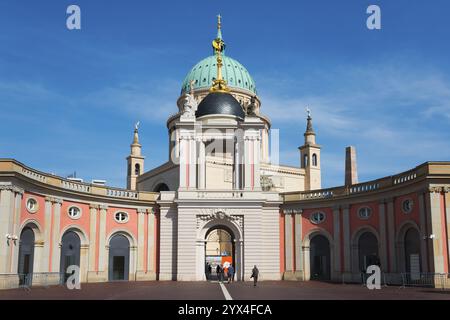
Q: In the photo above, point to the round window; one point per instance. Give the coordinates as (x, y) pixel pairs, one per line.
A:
(74, 212)
(407, 205)
(121, 217)
(364, 213)
(317, 217)
(32, 205)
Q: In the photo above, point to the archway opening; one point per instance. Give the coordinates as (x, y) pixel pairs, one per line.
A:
(219, 252)
(161, 187)
(26, 256)
(70, 252)
(412, 253)
(368, 251)
(119, 258)
(320, 261)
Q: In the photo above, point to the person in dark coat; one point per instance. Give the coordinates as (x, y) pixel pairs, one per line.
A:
(219, 272)
(255, 274)
(230, 274)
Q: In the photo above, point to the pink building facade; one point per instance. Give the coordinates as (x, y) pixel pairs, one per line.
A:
(48, 223)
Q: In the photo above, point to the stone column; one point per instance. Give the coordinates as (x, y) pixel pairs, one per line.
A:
(133, 263)
(102, 245)
(247, 163)
(446, 209)
(433, 204)
(423, 233)
(288, 245)
(141, 212)
(201, 165)
(256, 163)
(337, 241)
(391, 235)
(236, 165)
(151, 244)
(183, 162)
(306, 263)
(346, 244)
(6, 213)
(15, 230)
(383, 235)
(298, 247)
(56, 235)
(192, 163)
(47, 235)
(93, 212)
(84, 262)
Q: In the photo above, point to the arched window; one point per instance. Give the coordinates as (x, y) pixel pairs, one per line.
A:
(161, 187)
(305, 161)
(137, 169)
(314, 160)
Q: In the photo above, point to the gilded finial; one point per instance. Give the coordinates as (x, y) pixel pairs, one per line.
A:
(219, 84)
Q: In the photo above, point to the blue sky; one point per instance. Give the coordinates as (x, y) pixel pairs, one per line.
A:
(69, 99)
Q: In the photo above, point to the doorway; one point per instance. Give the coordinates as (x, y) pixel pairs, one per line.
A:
(26, 257)
(119, 258)
(412, 253)
(219, 251)
(368, 251)
(320, 258)
(70, 252)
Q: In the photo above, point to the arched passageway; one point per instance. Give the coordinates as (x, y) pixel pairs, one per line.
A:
(119, 258)
(320, 262)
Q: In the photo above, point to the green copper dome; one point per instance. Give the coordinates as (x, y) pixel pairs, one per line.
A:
(204, 72)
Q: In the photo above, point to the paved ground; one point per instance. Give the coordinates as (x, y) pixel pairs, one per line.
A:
(270, 290)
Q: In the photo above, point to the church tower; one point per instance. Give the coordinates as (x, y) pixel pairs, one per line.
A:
(135, 161)
(310, 158)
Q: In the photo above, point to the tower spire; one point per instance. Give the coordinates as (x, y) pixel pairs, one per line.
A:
(219, 84)
(135, 161)
(310, 135)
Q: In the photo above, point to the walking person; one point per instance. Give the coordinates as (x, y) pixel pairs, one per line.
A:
(255, 274)
(230, 274)
(225, 273)
(219, 272)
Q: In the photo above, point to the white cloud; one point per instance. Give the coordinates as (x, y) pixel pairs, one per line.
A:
(147, 101)
(390, 112)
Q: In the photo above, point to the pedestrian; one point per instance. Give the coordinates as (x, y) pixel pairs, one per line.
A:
(219, 272)
(225, 273)
(230, 274)
(255, 274)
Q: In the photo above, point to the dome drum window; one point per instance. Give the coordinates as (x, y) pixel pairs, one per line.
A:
(407, 206)
(32, 205)
(121, 217)
(364, 213)
(317, 217)
(74, 212)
